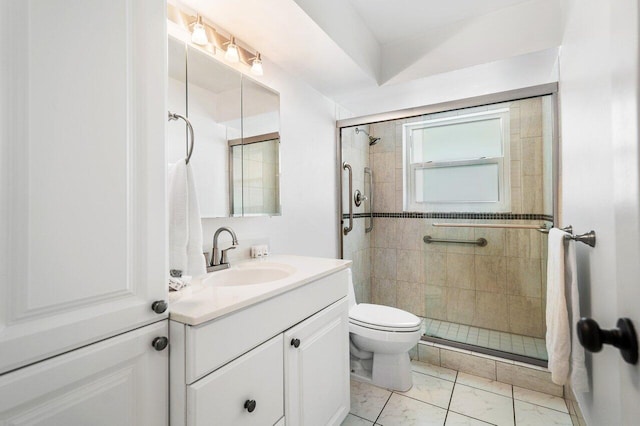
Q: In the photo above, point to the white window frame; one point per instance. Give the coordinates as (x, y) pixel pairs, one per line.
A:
(504, 170)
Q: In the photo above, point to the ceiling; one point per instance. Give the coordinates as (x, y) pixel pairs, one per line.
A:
(391, 21)
(343, 47)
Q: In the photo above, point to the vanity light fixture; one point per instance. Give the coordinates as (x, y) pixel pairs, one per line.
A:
(209, 38)
(256, 65)
(232, 51)
(199, 35)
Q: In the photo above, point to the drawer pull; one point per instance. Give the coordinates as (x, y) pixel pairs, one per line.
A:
(295, 343)
(250, 405)
(160, 343)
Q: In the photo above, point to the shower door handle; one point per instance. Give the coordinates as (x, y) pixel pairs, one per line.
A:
(347, 166)
(367, 171)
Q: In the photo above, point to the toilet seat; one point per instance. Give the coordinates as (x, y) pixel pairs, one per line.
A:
(383, 318)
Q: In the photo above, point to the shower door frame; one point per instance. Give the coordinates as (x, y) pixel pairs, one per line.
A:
(549, 89)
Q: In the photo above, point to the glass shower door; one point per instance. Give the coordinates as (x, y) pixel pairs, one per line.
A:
(356, 204)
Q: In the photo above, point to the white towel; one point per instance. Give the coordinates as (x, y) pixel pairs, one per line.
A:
(566, 356)
(185, 228)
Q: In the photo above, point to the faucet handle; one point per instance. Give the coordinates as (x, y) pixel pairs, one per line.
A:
(224, 258)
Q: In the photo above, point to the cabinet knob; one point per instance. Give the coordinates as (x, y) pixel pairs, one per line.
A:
(160, 343)
(592, 337)
(159, 306)
(295, 343)
(250, 405)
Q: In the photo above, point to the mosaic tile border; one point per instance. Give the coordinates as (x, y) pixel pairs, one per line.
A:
(444, 215)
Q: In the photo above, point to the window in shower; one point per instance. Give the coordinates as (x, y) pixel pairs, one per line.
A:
(458, 163)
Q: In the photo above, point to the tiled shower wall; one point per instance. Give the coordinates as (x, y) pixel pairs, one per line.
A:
(500, 286)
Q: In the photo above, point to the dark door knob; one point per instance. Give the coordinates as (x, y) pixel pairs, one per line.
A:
(250, 405)
(295, 343)
(159, 306)
(160, 343)
(592, 337)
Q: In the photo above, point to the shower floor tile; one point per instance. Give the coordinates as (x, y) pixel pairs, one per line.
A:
(507, 342)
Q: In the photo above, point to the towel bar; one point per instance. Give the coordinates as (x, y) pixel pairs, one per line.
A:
(588, 238)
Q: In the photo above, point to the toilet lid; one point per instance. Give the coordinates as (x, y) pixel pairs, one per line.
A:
(384, 316)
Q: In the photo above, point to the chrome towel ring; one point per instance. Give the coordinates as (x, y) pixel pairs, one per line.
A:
(174, 116)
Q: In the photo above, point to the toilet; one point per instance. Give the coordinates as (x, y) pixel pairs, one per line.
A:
(380, 338)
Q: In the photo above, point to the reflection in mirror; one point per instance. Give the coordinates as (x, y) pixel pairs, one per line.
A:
(261, 144)
(223, 105)
(212, 92)
(255, 175)
(177, 99)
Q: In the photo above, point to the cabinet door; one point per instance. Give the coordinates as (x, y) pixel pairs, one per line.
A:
(119, 381)
(82, 172)
(317, 370)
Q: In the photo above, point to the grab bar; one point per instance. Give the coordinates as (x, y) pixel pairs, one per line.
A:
(479, 242)
(347, 166)
(174, 116)
(367, 171)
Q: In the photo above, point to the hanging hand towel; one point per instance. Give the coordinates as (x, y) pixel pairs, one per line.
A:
(185, 228)
(558, 336)
(566, 356)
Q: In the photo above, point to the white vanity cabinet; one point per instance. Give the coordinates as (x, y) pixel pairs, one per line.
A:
(119, 381)
(82, 173)
(83, 241)
(283, 360)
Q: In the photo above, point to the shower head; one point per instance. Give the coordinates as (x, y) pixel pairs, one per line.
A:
(372, 140)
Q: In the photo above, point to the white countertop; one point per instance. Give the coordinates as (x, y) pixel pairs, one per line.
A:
(200, 302)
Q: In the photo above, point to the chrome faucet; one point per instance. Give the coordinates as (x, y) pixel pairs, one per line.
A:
(220, 260)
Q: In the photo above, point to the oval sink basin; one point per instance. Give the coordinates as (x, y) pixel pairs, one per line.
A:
(250, 274)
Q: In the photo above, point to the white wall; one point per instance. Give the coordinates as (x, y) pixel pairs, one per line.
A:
(499, 76)
(513, 73)
(308, 225)
(599, 131)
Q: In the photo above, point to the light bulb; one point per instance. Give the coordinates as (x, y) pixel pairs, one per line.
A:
(232, 52)
(199, 35)
(256, 68)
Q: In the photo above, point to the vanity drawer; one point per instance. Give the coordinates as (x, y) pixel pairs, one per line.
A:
(215, 343)
(220, 397)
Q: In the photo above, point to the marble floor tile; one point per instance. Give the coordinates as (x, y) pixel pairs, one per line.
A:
(352, 420)
(430, 389)
(535, 415)
(455, 419)
(433, 370)
(484, 384)
(367, 400)
(539, 398)
(404, 411)
(482, 405)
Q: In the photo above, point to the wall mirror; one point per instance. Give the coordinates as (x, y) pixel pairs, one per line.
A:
(236, 123)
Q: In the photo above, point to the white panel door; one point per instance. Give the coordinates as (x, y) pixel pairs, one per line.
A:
(119, 381)
(599, 99)
(316, 359)
(82, 172)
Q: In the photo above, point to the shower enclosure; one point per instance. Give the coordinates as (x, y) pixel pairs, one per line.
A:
(456, 198)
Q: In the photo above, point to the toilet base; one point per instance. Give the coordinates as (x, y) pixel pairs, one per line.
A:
(390, 371)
